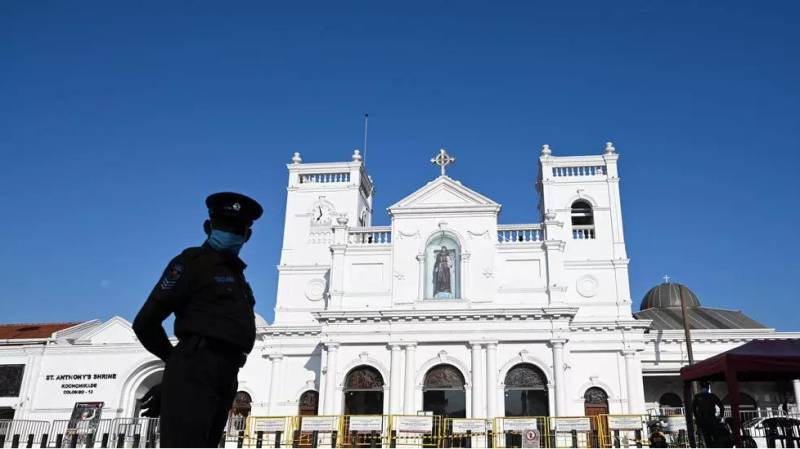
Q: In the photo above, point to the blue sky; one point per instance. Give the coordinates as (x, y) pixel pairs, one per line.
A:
(117, 119)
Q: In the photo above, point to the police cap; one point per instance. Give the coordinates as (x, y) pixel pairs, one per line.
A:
(234, 205)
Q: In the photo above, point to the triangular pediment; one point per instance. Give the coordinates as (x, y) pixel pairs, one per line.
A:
(444, 193)
(117, 330)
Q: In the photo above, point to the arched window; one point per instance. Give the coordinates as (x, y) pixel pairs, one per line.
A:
(308, 404)
(443, 392)
(442, 267)
(582, 220)
(670, 400)
(240, 410)
(595, 402)
(363, 391)
(526, 391)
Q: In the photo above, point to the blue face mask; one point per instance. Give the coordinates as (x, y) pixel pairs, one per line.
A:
(225, 241)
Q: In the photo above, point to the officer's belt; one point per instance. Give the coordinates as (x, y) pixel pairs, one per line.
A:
(228, 350)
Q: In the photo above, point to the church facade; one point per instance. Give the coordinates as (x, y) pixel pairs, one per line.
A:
(447, 310)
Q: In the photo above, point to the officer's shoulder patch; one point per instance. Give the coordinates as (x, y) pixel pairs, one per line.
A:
(171, 275)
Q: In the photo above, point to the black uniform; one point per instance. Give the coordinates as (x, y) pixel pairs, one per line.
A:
(215, 324)
(704, 408)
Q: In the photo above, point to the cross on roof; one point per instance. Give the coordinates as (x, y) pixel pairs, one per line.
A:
(666, 279)
(443, 159)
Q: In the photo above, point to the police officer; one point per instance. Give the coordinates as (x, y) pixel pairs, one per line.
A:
(214, 321)
(704, 407)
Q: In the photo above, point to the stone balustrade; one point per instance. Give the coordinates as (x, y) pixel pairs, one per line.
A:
(582, 232)
(375, 235)
(583, 170)
(324, 178)
(519, 233)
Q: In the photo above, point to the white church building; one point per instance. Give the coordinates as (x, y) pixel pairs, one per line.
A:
(447, 310)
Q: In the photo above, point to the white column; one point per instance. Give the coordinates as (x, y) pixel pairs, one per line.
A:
(421, 284)
(330, 379)
(477, 385)
(274, 383)
(410, 398)
(796, 384)
(558, 376)
(630, 380)
(394, 380)
(491, 380)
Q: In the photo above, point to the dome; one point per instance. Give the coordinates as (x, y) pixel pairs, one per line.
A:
(668, 295)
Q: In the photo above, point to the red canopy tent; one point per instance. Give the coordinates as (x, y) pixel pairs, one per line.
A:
(759, 360)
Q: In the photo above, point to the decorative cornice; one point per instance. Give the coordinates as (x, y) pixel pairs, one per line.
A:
(291, 331)
(610, 325)
(344, 316)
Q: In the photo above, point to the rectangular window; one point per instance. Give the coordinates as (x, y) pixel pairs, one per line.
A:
(11, 380)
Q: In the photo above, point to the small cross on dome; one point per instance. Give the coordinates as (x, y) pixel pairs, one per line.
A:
(666, 279)
(443, 160)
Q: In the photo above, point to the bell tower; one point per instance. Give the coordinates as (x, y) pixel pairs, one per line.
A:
(584, 241)
(318, 194)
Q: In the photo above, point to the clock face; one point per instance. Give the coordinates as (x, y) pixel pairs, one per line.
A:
(321, 214)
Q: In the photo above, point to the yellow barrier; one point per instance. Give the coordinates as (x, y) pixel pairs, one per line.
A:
(422, 431)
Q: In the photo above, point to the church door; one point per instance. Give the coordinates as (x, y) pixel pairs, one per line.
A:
(309, 403)
(595, 404)
(363, 392)
(525, 395)
(363, 395)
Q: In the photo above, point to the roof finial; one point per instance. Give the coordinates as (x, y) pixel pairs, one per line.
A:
(296, 159)
(666, 278)
(443, 160)
(356, 155)
(610, 148)
(546, 151)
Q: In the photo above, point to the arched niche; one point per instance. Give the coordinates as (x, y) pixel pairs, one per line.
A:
(443, 266)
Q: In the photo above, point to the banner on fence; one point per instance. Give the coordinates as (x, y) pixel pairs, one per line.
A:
(469, 425)
(519, 425)
(317, 424)
(85, 416)
(624, 422)
(270, 425)
(416, 424)
(570, 424)
(366, 423)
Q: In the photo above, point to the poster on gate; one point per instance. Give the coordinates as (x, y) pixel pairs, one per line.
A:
(85, 417)
(624, 422)
(570, 424)
(675, 423)
(531, 438)
(269, 425)
(366, 423)
(469, 425)
(519, 425)
(317, 424)
(414, 424)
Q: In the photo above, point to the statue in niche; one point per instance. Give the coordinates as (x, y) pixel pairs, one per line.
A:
(442, 280)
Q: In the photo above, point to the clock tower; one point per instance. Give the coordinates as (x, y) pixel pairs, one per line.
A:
(318, 194)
